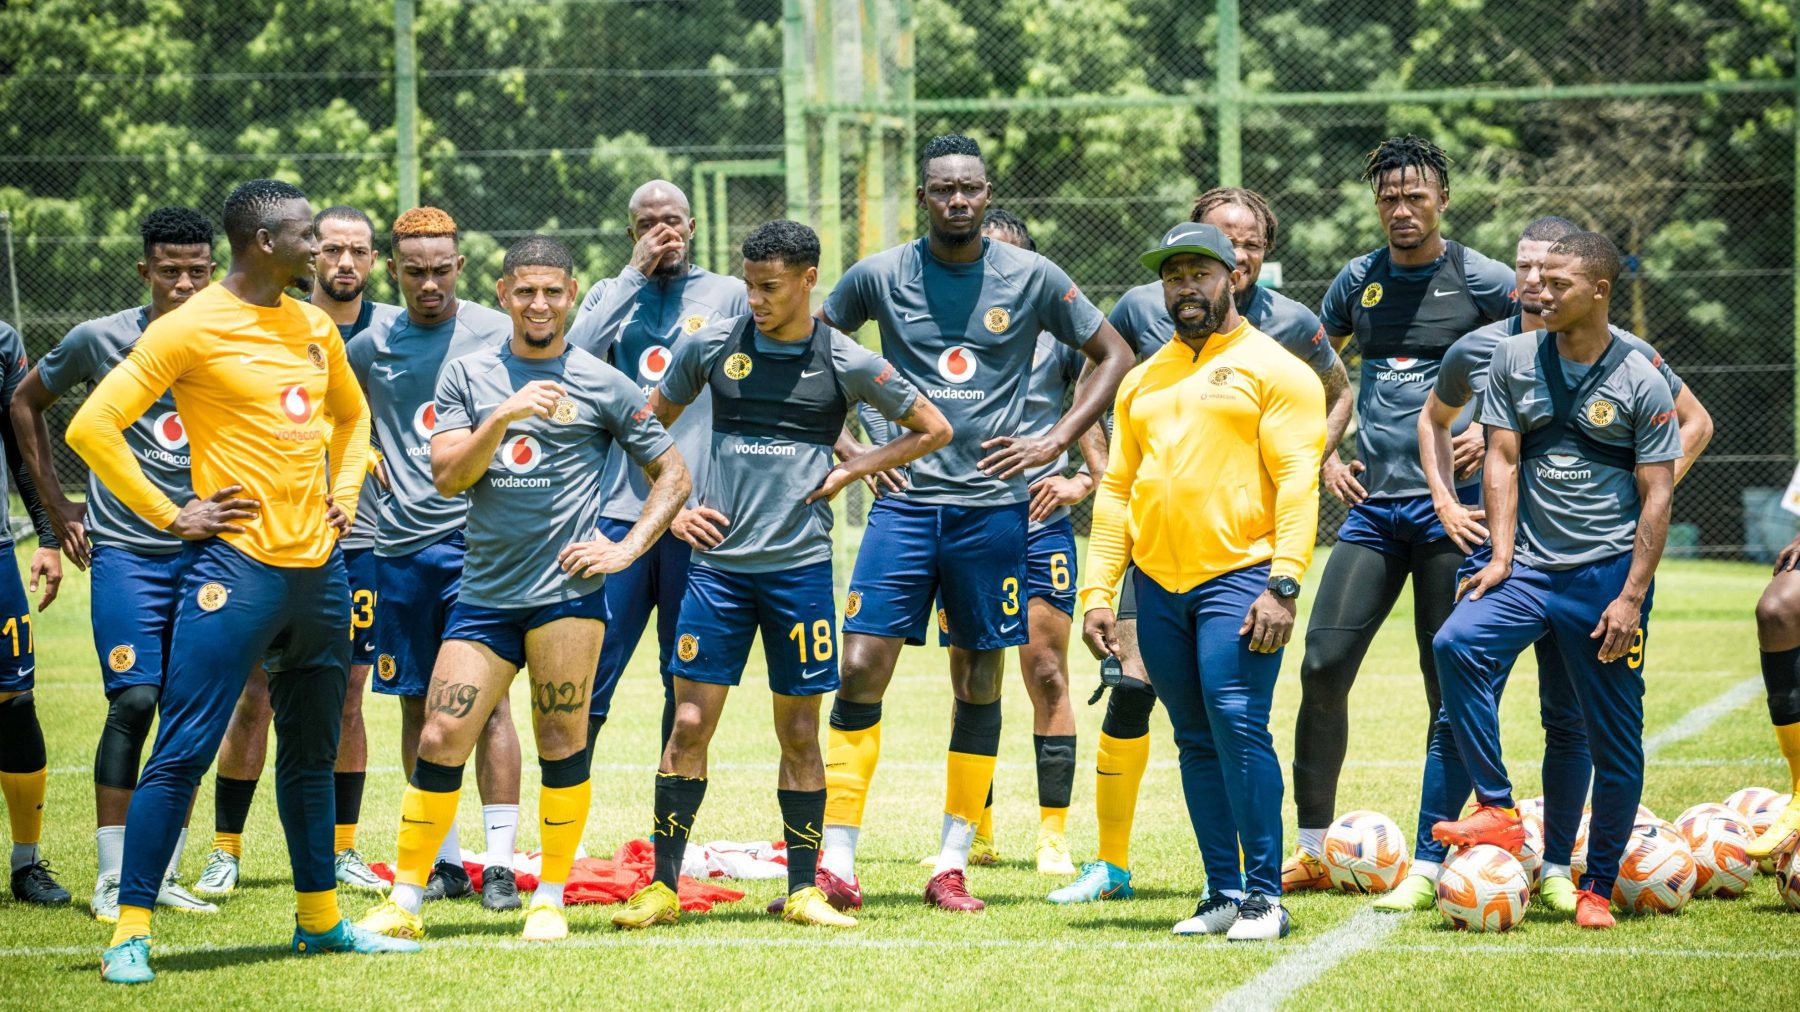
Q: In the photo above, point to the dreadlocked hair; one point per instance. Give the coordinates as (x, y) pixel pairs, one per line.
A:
(1249, 200)
(1397, 154)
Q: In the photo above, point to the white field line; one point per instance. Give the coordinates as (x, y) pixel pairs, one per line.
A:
(1306, 963)
(809, 941)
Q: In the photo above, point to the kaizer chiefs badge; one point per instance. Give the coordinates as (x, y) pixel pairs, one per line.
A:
(1220, 376)
(384, 667)
(997, 320)
(1371, 294)
(1602, 412)
(212, 596)
(315, 355)
(692, 324)
(121, 658)
(737, 366)
(687, 648)
(564, 412)
(853, 604)
(943, 621)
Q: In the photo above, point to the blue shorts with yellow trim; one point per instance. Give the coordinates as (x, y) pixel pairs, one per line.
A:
(132, 610)
(361, 564)
(412, 606)
(503, 630)
(18, 658)
(793, 608)
(972, 558)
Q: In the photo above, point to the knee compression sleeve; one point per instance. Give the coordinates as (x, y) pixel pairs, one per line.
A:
(1781, 677)
(1128, 710)
(128, 718)
(21, 739)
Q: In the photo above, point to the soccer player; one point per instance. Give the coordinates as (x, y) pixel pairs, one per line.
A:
(1143, 321)
(632, 321)
(1581, 450)
(136, 568)
(261, 383)
(1778, 637)
(524, 429)
(1405, 304)
(341, 274)
(1566, 766)
(1212, 492)
(420, 540)
(959, 317)
(24, 768)
(782, 383)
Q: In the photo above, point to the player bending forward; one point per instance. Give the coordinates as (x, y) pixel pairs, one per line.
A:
(782, 383)
(524, 429)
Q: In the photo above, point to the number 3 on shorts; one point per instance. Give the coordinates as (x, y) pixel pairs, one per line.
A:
(1010, 587)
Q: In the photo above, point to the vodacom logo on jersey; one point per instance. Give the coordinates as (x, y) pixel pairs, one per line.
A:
(297, 405)
(425, 419)
(1403, 370)
(519, 456)
(653, 363)
(171, 439)
(956, 365)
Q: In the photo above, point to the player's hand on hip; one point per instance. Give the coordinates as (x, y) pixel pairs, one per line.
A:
(700, 527)
(1788, 559)
(1466, 450)
(598, 557)
(661, 240)
(538, 398)
(835, 482)
(1014, 455)
(1617, 629)
(1463, 525)
(46, 565)
(1055, 492)
(881, 482)
(1269, 622)
(1339, 479)
(336, 517)
(1100, 631)
(1490, 576)
(219, 513)
(69, 521)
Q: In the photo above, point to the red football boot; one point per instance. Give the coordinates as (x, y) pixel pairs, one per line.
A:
(1490, 824)
(948, 890)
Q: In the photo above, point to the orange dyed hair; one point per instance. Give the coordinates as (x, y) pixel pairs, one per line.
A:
(424, 223)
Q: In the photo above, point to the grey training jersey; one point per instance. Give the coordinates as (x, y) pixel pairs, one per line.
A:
(398, 363)
(541, 491)
(1392, 391)
(633, 322)
(964, 335)
(760, 483)
(158, 438)
(1464, 371)
(1141, 316)
(1574, 511)
(368, 505)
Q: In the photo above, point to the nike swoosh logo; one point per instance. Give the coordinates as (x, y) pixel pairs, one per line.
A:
(812, 674)
(810, 375)
(1008, 628)
(415, 822)
(833, 766)
(1442, 294)
(553, 822)
(1106, 774)
(913, 317)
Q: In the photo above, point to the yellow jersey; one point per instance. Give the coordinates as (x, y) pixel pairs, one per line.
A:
(1214, 467)
(268, 399)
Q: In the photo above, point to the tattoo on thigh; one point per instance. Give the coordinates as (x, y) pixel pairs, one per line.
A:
(453, 698)
(559, 697)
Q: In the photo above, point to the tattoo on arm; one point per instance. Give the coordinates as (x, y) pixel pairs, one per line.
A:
(454, 698)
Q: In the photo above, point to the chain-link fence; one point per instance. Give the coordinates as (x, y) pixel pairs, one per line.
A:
(1669, 124)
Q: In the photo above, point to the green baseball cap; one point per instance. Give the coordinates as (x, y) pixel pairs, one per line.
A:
(1191, 237)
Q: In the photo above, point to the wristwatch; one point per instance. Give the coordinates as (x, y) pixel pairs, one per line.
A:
(1285, 587)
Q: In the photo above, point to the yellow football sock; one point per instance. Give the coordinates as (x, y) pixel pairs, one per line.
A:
(1789, 737)
(425, 819)
(985, 828)
(850, 758)
(562, 816)
(230, 843)
(317, 911)
(344, 838)
(133, 921)
(1052, 820)
(1118, 769)
(25, 804)
(967, 778)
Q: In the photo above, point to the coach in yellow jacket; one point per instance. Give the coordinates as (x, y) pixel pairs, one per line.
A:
(1212, 493)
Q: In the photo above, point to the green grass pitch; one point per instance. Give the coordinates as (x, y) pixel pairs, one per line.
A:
(1023, 952)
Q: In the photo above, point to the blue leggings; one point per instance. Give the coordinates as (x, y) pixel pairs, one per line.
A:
(1217, 693)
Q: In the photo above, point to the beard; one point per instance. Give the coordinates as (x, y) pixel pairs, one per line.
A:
(955, 239)
(667, 268)
(538, 342)
(336, 294)
(1208, 324)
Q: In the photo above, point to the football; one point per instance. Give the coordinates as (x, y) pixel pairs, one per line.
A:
(1717, 835)
(1531, 852)
(1656, 875)
(1483, 888)
(1745, 801)
(1365, 852)
(1787, 881)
